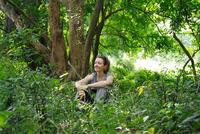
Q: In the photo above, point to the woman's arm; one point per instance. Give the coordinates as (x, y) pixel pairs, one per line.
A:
(79, 84)
(104, 83)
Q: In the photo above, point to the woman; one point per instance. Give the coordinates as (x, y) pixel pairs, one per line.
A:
(96, 83)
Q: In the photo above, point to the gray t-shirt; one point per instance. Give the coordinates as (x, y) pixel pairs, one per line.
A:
(94, 79)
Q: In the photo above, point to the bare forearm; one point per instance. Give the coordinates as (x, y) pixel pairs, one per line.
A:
(82, 84)
(79, 84)
(99, 84)
(83, 81)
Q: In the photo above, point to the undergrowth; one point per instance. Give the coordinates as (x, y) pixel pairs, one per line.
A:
(140, 102)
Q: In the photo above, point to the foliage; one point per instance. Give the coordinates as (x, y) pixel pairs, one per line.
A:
(2, 16)
(17, 46)
(140, 102)
(25, 97)
(138, 25)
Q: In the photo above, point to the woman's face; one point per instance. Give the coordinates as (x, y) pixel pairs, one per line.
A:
(99, 65)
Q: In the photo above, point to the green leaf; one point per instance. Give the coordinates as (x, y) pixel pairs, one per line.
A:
(4, 117)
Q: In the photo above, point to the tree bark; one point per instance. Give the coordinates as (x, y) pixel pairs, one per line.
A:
(99, 29)
(98, 34)
(76, 38)
(96, 47)
(10, 12)
(58, 51)
(91, 33)
(80, 48)
(9, 25)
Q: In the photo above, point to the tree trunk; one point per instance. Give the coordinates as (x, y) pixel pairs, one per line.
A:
(96, 48)
(10, 12)
(91, 33)
(97, 39)
(76, 38)
(9, 25)
(58, 51)
(80, 49)
(99, 29)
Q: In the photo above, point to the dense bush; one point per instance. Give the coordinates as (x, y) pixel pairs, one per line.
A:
(140, 102)
(17, 45)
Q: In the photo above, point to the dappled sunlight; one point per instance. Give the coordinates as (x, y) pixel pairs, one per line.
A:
(160, 63)
(157, 64)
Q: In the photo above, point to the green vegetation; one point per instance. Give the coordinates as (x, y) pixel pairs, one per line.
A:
(42, 40)
(140, 102)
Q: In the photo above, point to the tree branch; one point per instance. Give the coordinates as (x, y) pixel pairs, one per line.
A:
(20, 11)
(147, 13)
(10, 11)
(93, 23)
(111, 13)
(188, 55)
(196, 38)
(179, 76)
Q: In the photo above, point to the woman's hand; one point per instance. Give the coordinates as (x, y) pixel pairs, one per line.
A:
(83, 87)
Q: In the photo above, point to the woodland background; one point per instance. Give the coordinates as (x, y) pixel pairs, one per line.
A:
(45, 45)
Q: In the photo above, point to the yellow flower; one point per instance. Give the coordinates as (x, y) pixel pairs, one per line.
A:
(140, 90)
(151, 130)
